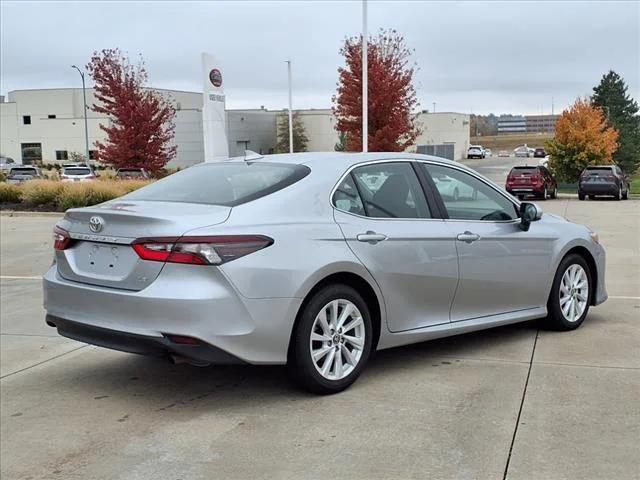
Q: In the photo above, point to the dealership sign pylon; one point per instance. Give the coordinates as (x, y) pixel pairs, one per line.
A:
(213, 111)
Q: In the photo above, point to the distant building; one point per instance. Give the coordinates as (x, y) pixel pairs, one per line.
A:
(527, 124)
(48, 125)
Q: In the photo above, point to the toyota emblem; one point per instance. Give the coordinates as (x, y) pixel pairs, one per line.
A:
(96, 224)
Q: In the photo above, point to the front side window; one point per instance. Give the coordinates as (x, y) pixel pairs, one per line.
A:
(391, 190)
(467, 198)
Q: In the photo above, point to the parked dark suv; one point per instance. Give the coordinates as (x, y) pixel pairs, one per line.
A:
(607, 180)
(539, 153)
(531, 180)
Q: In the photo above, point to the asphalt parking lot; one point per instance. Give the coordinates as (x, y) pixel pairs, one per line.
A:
(514, 402)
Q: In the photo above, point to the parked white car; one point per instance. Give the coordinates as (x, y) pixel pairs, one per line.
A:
(475, 151)
(77, 173)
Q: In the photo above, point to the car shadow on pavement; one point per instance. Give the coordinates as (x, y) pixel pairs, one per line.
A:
(162, 386)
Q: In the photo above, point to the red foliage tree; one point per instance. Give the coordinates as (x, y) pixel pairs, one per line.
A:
(392, 98)
(141, 124)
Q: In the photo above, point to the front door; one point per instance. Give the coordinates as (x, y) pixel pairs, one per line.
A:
(388, 224)
(502, 268)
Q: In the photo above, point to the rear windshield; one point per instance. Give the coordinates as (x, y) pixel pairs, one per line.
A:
(599, 170)
(521, 170)
(226, 184)
(76, 171)
(23, 171)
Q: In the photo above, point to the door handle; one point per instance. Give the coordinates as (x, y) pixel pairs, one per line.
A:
(468, 237)
(371, 237)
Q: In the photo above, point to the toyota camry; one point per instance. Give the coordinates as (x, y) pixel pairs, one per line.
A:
(315, 261)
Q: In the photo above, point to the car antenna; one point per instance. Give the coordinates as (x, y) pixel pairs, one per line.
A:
(251, 155)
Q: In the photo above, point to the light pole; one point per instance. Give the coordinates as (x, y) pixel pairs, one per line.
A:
(365, 80)
(86, 127)
(290, 109)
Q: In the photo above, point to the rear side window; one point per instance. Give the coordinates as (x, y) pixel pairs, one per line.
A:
(227, 184)
(347, 198)
(390, 190)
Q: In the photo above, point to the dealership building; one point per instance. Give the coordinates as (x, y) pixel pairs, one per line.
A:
(48, 125)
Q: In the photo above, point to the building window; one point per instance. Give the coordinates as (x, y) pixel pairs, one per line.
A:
(62, 155)
(93, 154)
(51, 116)
(31, 153)
(26, 119)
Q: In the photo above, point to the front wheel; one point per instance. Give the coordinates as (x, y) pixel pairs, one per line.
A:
(570, 295)
(332, 340)
(581, 196)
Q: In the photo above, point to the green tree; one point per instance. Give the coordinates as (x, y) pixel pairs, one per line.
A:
(341, 146)
(622, 114)
(300, 139)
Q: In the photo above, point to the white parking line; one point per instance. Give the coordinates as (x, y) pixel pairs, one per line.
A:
(14, 277)
(614, 297)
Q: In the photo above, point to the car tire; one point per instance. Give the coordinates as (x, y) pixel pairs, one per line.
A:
(625, 194)
(554, 194)
(581, 196)
(618, 195)
(571, 292)
(520, 197)
(340, 358)
(545, 193)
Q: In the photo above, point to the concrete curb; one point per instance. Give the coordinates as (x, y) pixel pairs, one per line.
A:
(18, 213)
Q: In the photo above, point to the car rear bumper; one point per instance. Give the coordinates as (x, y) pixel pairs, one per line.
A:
(185, 300)
(599, 188)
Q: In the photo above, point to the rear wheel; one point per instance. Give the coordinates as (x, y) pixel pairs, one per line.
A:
(332, 341)
(570, 296)
(625, 194)
(554, 194)
(618, 194)
(545, 193)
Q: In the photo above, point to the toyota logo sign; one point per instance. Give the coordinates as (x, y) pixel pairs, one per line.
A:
(216, 77)
(96, 224)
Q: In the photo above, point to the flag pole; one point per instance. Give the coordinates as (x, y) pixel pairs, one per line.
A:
(290, 109)
(365, 80)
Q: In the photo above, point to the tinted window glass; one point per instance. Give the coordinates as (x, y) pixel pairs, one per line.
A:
(346, 197)
(524, 170)
(23, 171)
(226, 184)
(467, 198)
(76, 171)
(391, 190)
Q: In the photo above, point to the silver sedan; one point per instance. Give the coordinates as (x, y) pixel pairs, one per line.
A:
(314, 261)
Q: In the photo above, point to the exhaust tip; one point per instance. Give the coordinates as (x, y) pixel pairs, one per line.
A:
(180, 360)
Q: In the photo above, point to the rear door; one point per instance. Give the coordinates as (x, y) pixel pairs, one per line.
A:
(391, 227)
(502, 268)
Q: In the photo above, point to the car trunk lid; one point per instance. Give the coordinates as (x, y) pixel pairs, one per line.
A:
(101, 253)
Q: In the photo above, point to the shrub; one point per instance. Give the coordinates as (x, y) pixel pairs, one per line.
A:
(40, 192)
(3, 176)
(10, 193)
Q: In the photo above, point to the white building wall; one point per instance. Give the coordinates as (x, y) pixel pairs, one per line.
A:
(253, 130)
(445, 128)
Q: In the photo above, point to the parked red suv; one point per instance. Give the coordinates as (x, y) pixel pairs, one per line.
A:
(531, 180)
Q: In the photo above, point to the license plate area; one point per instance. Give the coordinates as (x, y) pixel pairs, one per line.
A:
(104, 260)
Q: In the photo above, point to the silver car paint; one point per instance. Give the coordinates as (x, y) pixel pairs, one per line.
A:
(248, 307)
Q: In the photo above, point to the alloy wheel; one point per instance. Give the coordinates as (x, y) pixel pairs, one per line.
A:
(574, 293)
(337, 339)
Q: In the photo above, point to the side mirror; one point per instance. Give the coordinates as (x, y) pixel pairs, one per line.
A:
(529, 212)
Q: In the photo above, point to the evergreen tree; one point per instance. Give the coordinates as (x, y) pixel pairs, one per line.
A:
(622, 114)
(300, 139)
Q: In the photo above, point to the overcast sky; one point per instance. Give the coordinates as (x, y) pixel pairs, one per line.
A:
(480, 57)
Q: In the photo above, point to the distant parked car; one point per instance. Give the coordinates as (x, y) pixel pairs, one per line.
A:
(475, 151)
(523, 152)
(487, 152)
(531, 180)
(132, 174)
(6, 163)
(503, 153)
(539, 153)
(606, 180)
(451, 189)
(77, 173)
(24, 173)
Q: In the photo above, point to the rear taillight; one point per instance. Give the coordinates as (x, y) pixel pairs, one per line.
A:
(199, 250)
(61, 238)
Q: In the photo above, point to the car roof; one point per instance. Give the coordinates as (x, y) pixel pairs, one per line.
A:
(341, 161)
